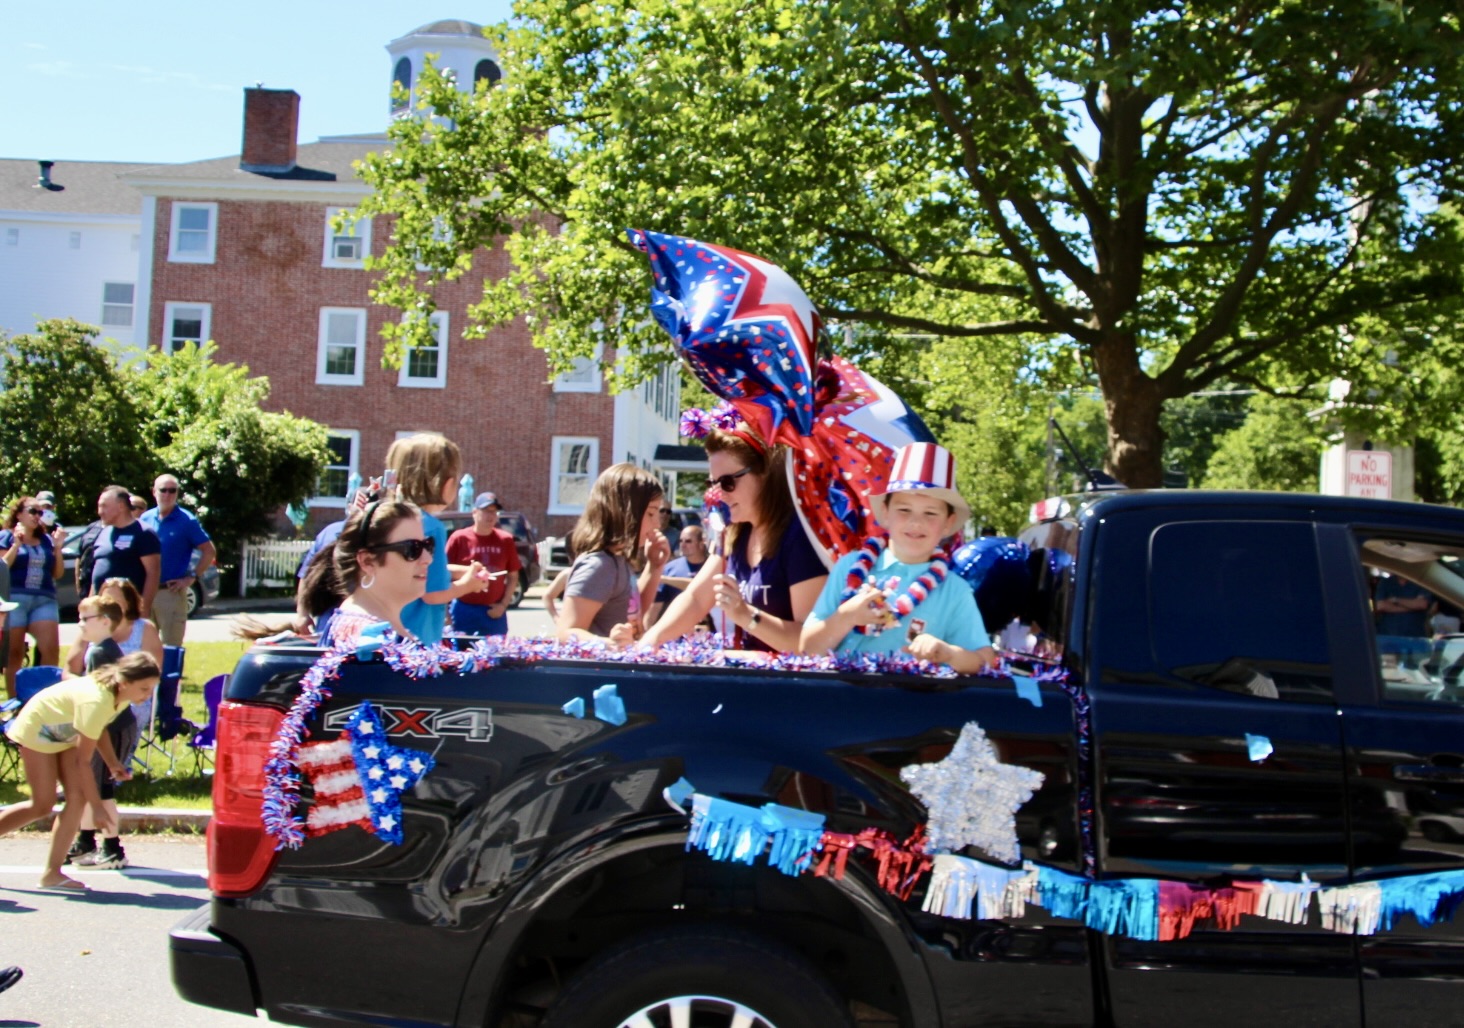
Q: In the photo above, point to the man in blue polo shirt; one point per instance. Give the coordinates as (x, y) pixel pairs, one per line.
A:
(180, 533)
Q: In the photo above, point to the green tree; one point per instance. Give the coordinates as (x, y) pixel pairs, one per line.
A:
(1178, 195)
(71, 423)
(1278, 447)
(236, 463)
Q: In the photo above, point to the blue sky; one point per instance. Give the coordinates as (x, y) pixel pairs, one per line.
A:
(163, 81)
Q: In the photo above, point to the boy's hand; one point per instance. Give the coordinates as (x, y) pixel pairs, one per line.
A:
(471, 580)
(868, 606)
(927, 647)
(622, 636)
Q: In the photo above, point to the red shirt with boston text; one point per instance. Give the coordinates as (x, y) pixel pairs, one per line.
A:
(496, 551)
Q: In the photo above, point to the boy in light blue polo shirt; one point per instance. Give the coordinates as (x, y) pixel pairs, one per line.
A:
(899, 593)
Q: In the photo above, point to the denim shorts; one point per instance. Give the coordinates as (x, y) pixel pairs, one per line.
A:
(34, 608)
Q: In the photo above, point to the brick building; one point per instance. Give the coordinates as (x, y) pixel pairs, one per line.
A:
(241, 250)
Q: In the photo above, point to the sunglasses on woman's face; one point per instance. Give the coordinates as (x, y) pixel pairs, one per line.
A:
(728, 483)
(37, 511)
(410, 549)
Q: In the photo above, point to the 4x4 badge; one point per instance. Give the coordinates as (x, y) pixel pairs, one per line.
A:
(472, 723)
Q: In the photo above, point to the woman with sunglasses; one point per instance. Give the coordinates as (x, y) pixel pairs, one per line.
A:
(374, 569)
(622, 520)
(769, 576)
(32, 553)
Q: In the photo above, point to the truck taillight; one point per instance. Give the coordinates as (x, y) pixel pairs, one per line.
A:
(240, 852)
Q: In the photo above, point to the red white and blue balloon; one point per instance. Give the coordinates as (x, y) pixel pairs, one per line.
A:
(750, 335)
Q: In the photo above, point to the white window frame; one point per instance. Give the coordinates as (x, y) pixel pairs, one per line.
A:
(352, 468)
(361, 230)
(439, 322)
(584, 377)
(205, 256)
(131, 307)
(171, 309)
(557, 445)
(322, 348)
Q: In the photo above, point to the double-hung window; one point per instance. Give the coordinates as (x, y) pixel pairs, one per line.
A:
(117, 304)
(194, 233)
(335, 480)
(425, 367)
(341, 352)
(346, 247)
(185, 323)
(574, 463)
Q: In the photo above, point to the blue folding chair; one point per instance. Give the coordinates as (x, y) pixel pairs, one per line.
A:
(28, 682)
(167, 722)
(204, 742)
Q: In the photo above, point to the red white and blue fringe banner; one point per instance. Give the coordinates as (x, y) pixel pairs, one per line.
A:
(1149, 909)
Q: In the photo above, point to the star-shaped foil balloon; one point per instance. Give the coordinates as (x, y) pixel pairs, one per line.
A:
(972, 798)
(359, 778)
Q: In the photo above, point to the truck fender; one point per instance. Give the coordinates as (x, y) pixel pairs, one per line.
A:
(485, 980)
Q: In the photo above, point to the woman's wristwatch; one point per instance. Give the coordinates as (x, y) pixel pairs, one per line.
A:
(754, 618)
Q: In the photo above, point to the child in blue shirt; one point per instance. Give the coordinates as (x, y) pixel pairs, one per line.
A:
(428, 467)
(898, 592)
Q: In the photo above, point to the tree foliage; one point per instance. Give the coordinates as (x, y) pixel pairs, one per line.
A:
(1278, 447)
(80, 416)
(236, 462)
(1178, 196)
(69, 420)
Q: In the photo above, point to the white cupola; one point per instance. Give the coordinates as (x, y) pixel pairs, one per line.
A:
(455, 44)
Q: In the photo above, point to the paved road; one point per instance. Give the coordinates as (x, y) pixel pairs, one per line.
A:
(216, 624)
(101, 959)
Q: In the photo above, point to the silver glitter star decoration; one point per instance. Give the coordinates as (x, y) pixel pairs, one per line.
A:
(972, 798)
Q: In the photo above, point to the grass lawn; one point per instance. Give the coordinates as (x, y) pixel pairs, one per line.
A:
(184, 787)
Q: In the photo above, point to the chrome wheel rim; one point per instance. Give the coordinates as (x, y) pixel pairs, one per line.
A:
(696, 1012)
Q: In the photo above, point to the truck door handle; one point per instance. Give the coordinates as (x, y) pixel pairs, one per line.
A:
(1428, 773)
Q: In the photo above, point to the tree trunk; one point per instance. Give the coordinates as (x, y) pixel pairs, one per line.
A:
(1133, 404)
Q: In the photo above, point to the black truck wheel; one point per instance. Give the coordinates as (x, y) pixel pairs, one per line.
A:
(699, 977)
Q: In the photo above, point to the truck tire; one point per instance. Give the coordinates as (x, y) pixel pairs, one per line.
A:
(719, 973)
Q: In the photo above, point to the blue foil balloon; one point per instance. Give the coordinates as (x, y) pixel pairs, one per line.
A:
(996, 568)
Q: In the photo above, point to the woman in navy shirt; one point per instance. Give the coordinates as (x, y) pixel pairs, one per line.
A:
(33, 557)
(770, 576)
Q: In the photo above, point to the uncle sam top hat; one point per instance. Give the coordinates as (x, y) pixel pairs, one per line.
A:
(922, 468)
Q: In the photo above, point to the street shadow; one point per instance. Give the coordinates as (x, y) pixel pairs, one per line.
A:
(20, 1024)
(102, 897)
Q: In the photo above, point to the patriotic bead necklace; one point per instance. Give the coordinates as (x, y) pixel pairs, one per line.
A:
(906, 602)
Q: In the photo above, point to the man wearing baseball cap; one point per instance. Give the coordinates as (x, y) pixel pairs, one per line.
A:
(486, 612)
(46, 499)
(897, 592)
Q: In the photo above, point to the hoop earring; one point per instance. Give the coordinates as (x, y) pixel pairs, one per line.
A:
(368, 581)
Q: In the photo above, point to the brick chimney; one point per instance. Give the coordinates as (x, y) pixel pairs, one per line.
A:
(271, 123)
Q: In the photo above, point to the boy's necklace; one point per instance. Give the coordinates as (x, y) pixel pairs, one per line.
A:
(912, 597)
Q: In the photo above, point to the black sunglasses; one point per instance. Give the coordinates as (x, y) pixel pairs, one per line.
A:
(166, 489)
(37, 511)
(728, 483)
(410, 549)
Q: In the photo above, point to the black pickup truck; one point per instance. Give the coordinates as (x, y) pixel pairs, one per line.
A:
(544, 879)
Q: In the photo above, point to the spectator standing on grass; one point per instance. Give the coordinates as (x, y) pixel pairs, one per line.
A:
(31, 550)
(486, 612)
(180, 535)
(125, 548)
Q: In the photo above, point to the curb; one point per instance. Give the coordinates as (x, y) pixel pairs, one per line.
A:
(142, 820)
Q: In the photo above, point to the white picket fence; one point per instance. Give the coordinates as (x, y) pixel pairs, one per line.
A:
(271, 563)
